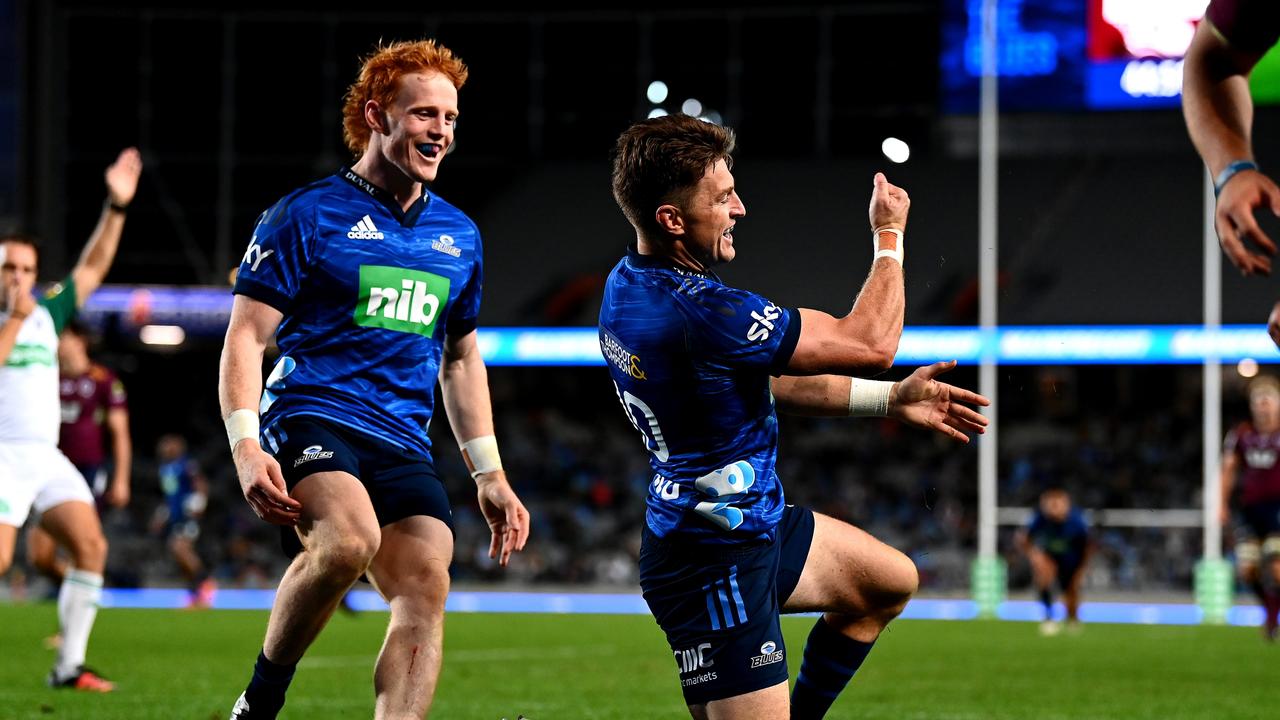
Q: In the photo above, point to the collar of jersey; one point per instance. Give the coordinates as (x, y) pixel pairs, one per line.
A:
(661, 262)
(406, 219)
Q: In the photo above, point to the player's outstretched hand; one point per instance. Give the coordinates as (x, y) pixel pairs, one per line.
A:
(263, 485)
(922, 401)
(122, 176)
(889, 205)
(508, 520)
(1247, 191)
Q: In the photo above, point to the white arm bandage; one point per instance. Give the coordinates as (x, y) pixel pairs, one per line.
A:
(241, 424)
(481, 455)
(898, 249)
(869, 398)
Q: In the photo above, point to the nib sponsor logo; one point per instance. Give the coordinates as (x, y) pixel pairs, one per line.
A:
(400, 299)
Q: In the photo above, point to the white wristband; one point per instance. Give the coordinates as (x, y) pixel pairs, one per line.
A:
(869, 398)
(481, 455)
(899, 247)
(241, 424)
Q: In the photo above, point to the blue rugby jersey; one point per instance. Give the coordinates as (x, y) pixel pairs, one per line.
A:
(1066, 539)
(367, 292)
(691, 358)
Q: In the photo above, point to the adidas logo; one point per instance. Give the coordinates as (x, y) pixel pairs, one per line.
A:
(365, 230)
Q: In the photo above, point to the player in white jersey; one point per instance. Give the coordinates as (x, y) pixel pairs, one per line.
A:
(34, 474)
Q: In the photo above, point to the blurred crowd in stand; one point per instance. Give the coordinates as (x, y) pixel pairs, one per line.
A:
(1115, 437)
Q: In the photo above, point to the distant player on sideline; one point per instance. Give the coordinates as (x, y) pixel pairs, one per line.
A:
(34, 475)
(93, 400)
(1249, 464)
(1058, 545)
(186, 495)
(699, 367)
(1228, 43)
(371, 284)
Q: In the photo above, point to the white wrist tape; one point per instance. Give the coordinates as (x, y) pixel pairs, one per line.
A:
(481, 455)
(241, 424)
(869, 398)
(899, 247)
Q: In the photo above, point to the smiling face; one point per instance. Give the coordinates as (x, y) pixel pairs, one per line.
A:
(709, 213)
(416, 129)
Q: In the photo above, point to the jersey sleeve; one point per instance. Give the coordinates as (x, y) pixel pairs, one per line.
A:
(1034, 525)
(116, 396)
(278, 255)
(739, 328)
(1247, 25)
(1231, 445)
(60, 301)
(465, 313)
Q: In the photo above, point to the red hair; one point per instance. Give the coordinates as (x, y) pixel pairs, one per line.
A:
(379, 80)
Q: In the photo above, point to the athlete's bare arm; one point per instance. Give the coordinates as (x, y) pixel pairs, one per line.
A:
(98, 254)
(121, 454)
(919, 400)
(866, 340)
(464, 384)
(1219, 115)
(1230, 467)
(252, 325)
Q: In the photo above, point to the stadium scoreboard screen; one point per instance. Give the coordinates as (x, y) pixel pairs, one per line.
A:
(1064, 55)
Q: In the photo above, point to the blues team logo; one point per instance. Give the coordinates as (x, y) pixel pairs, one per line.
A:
(446, 246)
(314, 452)
(769, 654)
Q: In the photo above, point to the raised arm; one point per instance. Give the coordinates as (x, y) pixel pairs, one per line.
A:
(464, 384)
(98, 254)
(252, 325)
(1219, 114)
(866, 339)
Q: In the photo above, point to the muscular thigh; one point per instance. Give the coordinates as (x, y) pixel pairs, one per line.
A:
(848, 570)
(335, 506)
(414, 558)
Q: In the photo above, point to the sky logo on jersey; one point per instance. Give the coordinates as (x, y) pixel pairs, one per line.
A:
(400, 299)
(446, 246)
(365, 230)
(763, 324)
(255, 254)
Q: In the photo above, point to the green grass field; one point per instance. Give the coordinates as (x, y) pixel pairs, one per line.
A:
(176, 665)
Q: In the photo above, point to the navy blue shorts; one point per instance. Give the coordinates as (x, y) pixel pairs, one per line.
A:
(1262, 519)
(400, 483)
(1068, 567)
(719, 606)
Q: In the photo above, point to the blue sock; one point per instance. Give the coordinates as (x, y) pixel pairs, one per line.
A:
(1046, 598)
(830, 660)
(266, 690)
